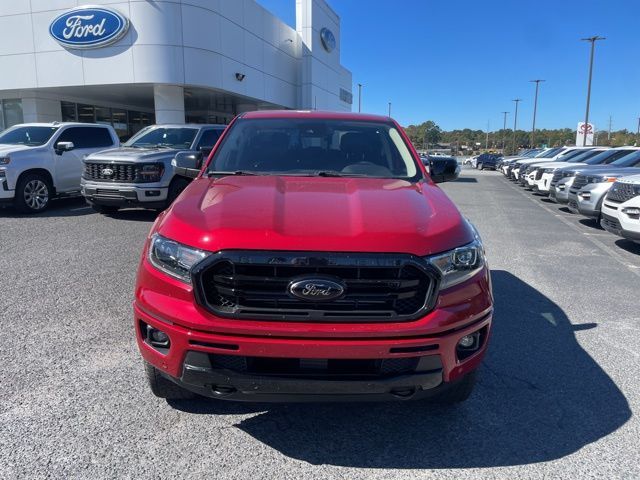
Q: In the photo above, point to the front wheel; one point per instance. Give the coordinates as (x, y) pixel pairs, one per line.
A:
(33, 193)
(177, 186)
(458, 391)
(164, 388)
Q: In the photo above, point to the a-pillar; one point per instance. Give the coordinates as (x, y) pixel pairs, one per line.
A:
(169, 103)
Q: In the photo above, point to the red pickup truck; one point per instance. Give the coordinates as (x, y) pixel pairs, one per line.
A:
(313, 258)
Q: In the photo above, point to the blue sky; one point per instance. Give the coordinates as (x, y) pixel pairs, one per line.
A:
(460, 63)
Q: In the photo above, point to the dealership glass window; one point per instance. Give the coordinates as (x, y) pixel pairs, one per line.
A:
(86, 113)
(10, 112)
(69, 113)
(103, 115)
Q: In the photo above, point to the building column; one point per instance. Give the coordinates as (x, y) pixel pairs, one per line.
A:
(169, 103)
(36, 109)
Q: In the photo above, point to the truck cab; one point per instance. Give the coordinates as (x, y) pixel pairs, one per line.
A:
(41, 161)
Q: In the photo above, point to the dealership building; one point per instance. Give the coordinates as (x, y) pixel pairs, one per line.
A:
(138, 62)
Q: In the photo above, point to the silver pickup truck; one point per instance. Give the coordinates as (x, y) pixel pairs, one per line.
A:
(140, 174)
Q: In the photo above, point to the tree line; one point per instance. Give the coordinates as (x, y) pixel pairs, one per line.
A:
(428, 134)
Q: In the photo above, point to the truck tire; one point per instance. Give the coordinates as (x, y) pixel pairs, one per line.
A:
(175, 188)
(33, 193)
(105, 209)
(457, 392)
(163, 388)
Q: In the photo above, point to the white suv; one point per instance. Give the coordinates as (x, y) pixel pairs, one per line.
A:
(40, 161)
(621, 208)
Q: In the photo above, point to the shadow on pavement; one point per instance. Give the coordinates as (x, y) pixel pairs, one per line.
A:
(466, 180)
(64, 207)
(591, 223)
(629, 246)
(540, 397)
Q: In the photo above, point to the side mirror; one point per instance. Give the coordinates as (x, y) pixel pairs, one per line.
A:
(187, 164)
(205, 151)
(62, 147)
(443, 169)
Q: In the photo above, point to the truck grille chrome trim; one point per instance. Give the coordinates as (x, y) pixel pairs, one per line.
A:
(377, 287)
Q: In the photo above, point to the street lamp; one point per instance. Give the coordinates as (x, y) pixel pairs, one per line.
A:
(593, 41)
(359, 97)
(515, 123)
(504, 129)
(535, 109)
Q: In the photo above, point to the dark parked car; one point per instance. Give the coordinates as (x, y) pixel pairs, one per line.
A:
(487, 160)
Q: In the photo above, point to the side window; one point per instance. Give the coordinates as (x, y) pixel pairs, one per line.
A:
(87, 137)
(209, 139)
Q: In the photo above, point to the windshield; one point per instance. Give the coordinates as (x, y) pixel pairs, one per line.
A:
(585, 155)
(550, 153)
(32, 136)
(570, 155)
(607, 157)
(163, 137)
(305, 147)
(628, 160)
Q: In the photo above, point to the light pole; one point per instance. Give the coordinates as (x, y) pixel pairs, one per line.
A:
(638, 134)
(593, 41)
(535, 109)
(389, 109)
(504, 129)
(359, 97)
(515, 123)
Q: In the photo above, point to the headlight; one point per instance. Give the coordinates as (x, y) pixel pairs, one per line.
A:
(174, 258)
(4, 160)
(459, 264)
(150, 173)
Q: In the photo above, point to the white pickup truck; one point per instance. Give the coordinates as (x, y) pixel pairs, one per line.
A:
(41, 161)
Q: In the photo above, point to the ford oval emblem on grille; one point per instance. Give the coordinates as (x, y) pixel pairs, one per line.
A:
(315, 289)
(107, 172)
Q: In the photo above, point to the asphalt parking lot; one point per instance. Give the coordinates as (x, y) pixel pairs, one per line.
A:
(556, 397)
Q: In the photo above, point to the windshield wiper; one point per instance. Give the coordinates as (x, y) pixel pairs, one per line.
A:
(333, 173)
(225, 174)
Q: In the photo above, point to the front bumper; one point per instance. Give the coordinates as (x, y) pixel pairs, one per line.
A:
(560, 193)
(150, 195)
(589, 198)
(196, 337)
(615, 221)
(6, 194)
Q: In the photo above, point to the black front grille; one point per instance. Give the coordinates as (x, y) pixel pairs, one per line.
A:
(610, 223)
(579, 182)
(255, 285)
(622, 192)
(557, 176)
(122, 172)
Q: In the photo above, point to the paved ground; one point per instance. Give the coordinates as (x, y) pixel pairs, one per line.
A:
(555, 399)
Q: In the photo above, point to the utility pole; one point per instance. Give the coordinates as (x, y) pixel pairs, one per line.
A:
(486, 139)
(609, 134)
(515, 123)
(389, 109)
(638, 134)
(535, 109)
(593, 41)
(504, 129)
(359, 97)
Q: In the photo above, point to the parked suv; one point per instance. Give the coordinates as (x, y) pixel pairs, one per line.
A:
(41, 161)
(590, 187)
(487, 160)
(313, 258)
(621, 208)
(140, 174)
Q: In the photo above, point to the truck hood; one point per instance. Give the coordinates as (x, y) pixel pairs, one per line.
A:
(614, 172)
(10, 149)
(128, 154)
(315, 214)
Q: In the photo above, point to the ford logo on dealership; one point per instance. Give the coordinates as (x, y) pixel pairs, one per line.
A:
(89, 27)
(316, 289)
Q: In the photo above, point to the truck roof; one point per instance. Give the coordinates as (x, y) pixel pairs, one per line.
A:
(316, 114)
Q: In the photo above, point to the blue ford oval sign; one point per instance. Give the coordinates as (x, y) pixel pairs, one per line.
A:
(89, 27)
